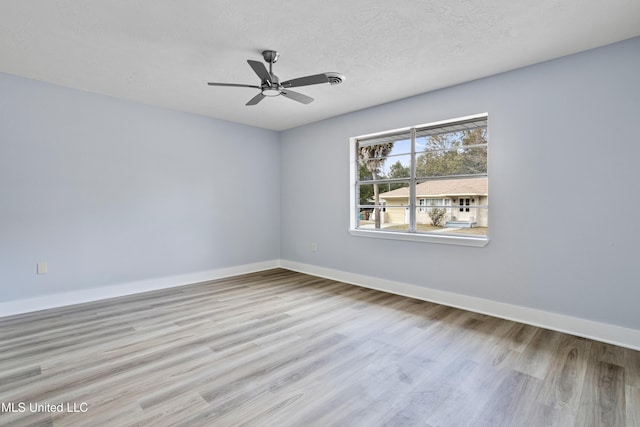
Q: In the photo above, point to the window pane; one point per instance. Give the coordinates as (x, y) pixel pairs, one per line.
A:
(392, 202)
(454, 190)
(463, 125)
(444, 204)
(397, 167)
(452, 153)
(401, 140)
(394, 193)
(392, 218)
(383, 161)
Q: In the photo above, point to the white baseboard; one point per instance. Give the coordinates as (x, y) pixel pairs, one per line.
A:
(598, 331)
(88, 295)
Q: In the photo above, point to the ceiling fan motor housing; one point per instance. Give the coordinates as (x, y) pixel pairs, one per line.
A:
(272, 89)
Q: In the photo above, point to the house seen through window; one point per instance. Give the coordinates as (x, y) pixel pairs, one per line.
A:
(426, 181)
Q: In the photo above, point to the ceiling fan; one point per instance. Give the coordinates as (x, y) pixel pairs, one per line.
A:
(270, 84)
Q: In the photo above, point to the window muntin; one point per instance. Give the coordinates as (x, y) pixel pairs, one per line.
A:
(420, 174)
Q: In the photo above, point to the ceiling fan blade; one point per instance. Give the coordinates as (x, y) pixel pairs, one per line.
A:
(296, 96)
(232, 85)
(306, 81)
(253, 101)
(260, 70)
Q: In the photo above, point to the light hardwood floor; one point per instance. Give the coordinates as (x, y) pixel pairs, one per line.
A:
(280, 348)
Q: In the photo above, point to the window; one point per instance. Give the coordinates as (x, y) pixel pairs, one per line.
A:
(422, 203)
(428, 205)
(406, 183)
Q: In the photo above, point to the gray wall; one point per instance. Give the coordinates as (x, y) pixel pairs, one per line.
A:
(107, 191)
(564, 200)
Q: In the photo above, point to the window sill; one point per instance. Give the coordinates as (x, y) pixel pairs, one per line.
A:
(477, 242)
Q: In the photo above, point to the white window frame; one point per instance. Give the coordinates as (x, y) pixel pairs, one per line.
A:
(462, 240)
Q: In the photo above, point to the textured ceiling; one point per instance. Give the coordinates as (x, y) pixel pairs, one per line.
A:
(162, 52)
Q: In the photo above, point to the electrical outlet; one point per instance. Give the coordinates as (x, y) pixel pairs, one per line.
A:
(314, 247)
(42, 268)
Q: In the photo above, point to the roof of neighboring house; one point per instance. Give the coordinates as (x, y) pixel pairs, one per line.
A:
(443, 188)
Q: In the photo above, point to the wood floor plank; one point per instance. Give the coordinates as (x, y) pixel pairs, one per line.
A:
(511, 403)
(279, 348)
(631, 366)
(603, 401)
(633, 405)
(539, 354)
(565, 378)
(418, 404)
